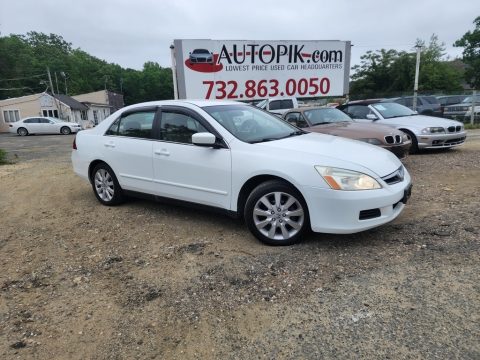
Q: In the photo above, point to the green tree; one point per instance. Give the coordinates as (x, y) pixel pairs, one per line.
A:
(385, 73)
(470, 41)
(24, 59)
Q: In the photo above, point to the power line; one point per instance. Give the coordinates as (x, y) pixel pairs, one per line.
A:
(22, 78)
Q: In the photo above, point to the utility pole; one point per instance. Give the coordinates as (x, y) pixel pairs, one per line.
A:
(50, 80)
(472, 114)
(417, 71)
(174, 72)
(64, 75)
(56, 82)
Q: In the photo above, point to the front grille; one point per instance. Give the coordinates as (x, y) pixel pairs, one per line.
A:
(452, 128)
(448, 143)
(369, 214)
(395, 177)
(390, 139)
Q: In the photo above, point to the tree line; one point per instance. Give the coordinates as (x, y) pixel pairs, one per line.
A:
(23, 70)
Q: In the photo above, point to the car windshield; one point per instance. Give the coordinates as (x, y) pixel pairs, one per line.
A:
(250, 124)
(200, 51)
(325, 116)
(54, 120)
(469, 99)
(392, 110)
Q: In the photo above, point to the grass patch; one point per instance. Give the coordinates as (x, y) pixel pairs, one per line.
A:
(3, 158)
(472, 126)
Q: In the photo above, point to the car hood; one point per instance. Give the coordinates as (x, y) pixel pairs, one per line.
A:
(336, 151)
(422, 121)
(354, 130)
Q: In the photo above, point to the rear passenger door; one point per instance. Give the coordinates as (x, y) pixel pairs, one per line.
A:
(127, 148)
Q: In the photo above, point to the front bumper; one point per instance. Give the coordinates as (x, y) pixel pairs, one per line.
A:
(439, 141)
(343, 212)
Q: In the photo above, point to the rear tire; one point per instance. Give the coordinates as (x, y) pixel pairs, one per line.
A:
(276, 213)
(105, 185)
(65, 130)
(22, 131)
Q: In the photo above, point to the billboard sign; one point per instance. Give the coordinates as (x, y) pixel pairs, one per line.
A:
(248, 70)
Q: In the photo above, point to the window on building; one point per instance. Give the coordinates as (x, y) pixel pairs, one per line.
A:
(95, 116)
(50, 113)
(83, 115)
(11, 115)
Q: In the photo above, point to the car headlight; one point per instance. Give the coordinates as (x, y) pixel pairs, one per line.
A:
(341, 179)
(433, 130)
(372, 141)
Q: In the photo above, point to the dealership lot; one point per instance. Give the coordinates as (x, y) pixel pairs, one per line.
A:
(149, 280)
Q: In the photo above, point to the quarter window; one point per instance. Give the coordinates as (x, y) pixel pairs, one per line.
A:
(178, 127)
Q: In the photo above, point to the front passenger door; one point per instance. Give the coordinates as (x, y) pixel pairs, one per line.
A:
(189, 172)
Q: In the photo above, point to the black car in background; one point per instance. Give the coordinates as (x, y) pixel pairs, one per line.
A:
(426, 105)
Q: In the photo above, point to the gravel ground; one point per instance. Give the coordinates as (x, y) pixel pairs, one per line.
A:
(147, 280)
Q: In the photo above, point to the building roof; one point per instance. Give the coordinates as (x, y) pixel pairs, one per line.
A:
(70, 102)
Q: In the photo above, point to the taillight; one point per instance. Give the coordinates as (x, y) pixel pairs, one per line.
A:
(74, 146)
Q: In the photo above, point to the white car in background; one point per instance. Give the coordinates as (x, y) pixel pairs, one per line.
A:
(43, 125)
(426, 132)
(282, 180)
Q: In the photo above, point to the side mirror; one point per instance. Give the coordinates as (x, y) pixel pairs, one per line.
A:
(203, 139)
(372, 117)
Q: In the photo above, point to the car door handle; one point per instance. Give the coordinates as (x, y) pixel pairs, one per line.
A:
(109, 144)
(163, 152)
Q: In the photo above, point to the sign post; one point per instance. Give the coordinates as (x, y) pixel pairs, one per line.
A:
(249, 70)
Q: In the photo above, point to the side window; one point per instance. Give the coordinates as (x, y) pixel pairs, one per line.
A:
(44, 121)
(409, 102)
(302, 123)
(178, 127)
(358, 111)
(139, 125)
(275, 105)
(113, 129)
(287, 104)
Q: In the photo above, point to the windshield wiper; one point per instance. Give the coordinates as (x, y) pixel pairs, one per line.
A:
(294, 133)
(321, 123)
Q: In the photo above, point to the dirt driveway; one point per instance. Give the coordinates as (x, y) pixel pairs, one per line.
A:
(151, 281)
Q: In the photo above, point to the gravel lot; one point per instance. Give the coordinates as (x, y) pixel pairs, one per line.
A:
(146, 280)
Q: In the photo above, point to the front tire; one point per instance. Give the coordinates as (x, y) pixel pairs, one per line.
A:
(22, 131)
(276, 213)
(65, 130)
(105, 185)
(414, 147)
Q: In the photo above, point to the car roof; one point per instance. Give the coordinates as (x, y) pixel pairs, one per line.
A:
(363, 102)
(196, 102)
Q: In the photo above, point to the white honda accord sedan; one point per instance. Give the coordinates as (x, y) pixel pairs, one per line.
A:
(249, 163)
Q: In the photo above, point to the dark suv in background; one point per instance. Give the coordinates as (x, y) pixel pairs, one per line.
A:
(458, 111)
(447, 100)
(426, 105)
